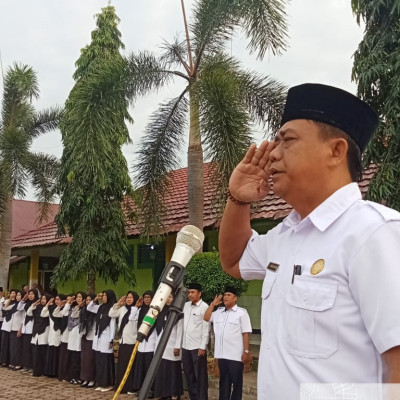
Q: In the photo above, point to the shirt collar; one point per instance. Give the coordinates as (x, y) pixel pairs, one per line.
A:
(234, 308)
(198, 303)
(327, 212)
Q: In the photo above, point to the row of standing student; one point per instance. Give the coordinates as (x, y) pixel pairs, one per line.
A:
(72, 338)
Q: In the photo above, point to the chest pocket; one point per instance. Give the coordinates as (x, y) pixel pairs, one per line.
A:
(311, 318)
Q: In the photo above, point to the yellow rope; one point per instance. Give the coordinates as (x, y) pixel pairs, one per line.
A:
(128, 369)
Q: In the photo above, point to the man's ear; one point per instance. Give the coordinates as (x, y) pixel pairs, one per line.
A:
(338, 150)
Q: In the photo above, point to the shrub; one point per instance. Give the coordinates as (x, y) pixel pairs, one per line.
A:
(205, 269)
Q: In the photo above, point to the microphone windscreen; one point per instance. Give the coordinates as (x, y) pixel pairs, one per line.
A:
(191, 236)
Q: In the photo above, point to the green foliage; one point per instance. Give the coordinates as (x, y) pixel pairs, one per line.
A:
(94, 175)
(376, 70)
(206, 269)
(221, 98)
(20, 124)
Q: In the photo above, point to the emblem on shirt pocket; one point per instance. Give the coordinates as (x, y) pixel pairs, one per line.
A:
(317, 267)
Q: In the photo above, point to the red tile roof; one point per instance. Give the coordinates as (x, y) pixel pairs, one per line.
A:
(25, 216)
(176, 201)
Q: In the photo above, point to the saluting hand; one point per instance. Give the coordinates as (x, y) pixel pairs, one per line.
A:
(217, 300)
(139, 303)
(121, 301)
(249, 180)
(36, 303)
(50, 302)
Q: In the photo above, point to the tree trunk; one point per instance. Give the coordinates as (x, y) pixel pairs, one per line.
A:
(91, 282)
(5, 244)
(195, 183)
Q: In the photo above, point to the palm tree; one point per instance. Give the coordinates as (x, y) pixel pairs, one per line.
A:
(376, 70)
(221, 98)
(20, 124)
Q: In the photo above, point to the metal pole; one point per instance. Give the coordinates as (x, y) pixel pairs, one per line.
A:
(176, 308)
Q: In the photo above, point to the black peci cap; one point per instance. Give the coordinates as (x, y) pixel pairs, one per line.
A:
(332, 106)
(195, 286)
(231, 289)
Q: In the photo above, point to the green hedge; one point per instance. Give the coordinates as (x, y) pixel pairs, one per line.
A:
(205, 268)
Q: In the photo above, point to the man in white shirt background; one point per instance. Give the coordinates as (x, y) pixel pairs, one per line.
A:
(232, 329)
(331, 274)
(195, 339)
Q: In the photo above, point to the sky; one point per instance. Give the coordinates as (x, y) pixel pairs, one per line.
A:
(48, 35)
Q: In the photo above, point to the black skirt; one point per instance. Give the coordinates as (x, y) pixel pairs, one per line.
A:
(5, 348)
(39, 358)
(88, 361)
(168, 379)
(105, 369)
(27, 348)
(52, 361)
(124, 355)
(15, 349)
(74, 365)
(63, 364)
(140, 368)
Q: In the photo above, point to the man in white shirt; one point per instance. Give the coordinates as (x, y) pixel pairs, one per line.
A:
(195, 339)
(232, 329)
(331, 277)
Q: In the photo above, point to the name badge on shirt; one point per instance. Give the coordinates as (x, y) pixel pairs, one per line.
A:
(273, 266)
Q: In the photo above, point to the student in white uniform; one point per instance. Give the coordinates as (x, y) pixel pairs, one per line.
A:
(103, 342)
(146, 348)
(27, 326)
(40, 334)
(52, 355)
(331, 272)
(87, 328)
(6, 329)
(17, 318)
(126, 311)
(63, 364)
(168, 380)
(232, 329)
(72, 310)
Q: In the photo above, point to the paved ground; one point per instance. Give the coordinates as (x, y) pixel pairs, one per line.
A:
(15, 385)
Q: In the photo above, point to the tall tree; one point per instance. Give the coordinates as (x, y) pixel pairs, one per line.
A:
(221, 99)
(20, 124)
(94, 175)
(376, 70)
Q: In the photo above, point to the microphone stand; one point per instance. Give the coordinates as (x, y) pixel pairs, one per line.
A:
(176, 308)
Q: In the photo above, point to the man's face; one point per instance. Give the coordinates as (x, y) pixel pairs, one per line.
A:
(298, 161)
(229, 300)
(194, 295)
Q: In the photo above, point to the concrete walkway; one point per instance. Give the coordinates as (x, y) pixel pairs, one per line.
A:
(15, 385)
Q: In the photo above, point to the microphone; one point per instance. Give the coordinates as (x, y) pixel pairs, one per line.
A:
(188, 242)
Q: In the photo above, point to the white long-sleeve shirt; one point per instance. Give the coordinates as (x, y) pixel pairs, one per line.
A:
(195, 329)
(54, 335)
(129, 333)
(42, 338)
(102, 343)
(6, 327)
(26, 327)
(59, 313)
(174, 342)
